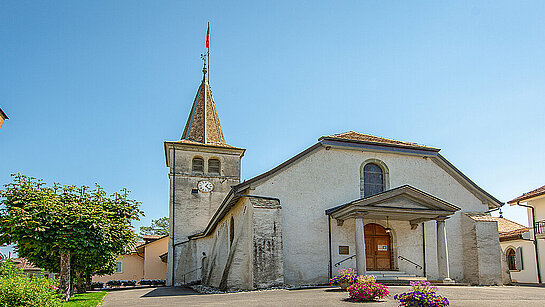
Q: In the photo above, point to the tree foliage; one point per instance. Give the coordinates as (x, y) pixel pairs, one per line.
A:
(158, 227)
(43, 221)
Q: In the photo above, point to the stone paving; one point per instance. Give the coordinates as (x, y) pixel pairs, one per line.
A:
(458, 295)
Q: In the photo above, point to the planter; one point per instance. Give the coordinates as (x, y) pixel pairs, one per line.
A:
(344, 284)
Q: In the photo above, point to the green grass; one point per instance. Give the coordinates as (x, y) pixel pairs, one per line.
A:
(90, 299)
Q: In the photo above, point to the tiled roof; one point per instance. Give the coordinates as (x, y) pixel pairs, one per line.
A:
(506, 228)
(371, 139)
(534, 193)
(203, 124)
(25, 265)
(151, 237)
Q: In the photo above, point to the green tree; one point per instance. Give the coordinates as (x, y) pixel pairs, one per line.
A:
(57, 226)
(158, 227)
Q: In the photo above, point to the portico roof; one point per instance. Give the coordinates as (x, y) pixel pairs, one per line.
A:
(405, 203)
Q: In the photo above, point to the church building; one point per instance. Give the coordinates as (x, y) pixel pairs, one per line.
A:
(394, 209)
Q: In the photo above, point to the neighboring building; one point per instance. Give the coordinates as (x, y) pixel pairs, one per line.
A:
(31, 269)
(144, 262)
(382, 206)
(526, 243)
(3, 117)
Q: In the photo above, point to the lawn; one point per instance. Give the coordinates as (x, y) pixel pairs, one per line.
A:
(90, 299)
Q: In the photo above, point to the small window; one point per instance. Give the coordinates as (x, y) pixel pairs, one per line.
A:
(119, 267)
(232, 231)
(198, 165)
(511, 259)
(373, 180)
(214, 166)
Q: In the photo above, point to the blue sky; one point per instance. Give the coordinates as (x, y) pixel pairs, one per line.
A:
(93, 88)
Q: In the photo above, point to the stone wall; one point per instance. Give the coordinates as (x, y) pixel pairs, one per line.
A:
(267, 257)
(193, 211)
(482, 252)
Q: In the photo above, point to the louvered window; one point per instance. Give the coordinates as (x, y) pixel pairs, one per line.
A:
(214, 166)
(198, 165)
(373, 179)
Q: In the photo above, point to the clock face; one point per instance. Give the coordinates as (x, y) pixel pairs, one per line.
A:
(205, 186)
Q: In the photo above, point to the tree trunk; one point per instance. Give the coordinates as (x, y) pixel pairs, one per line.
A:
(64, 282)
(88, 280)
(72, 282)
(80, 283)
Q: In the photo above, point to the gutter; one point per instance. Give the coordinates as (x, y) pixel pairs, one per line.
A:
(535, 239)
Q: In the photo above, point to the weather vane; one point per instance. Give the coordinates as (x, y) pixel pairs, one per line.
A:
(203, 58)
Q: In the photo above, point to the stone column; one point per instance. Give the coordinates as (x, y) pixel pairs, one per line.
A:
(442, 251)
(361, 265)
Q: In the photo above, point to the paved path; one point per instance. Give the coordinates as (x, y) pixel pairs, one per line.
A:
(519, 296)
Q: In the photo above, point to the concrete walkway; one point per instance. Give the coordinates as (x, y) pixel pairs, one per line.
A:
(459, 296)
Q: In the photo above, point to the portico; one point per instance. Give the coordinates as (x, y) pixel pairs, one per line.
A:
(404, 203)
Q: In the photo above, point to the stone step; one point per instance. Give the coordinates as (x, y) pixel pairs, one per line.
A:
(389, 273)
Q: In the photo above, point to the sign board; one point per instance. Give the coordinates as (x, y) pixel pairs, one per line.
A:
(383, 248)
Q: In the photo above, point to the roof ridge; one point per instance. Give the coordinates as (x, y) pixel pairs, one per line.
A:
(369, 138)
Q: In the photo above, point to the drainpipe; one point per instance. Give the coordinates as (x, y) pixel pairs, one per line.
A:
(424, 248)
(535, 239)
(330, 262)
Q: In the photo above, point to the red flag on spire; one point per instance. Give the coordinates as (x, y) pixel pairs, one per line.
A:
(208, 36)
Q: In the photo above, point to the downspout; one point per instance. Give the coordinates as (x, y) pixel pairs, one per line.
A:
(535, 239)
(424, 248)
(330, 262)
(173, 206)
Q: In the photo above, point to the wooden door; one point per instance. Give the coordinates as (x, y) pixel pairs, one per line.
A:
(377, 248)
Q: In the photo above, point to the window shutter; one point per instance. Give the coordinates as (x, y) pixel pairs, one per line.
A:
(519, 263)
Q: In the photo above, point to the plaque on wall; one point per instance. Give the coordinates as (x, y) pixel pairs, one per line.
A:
(344, 250)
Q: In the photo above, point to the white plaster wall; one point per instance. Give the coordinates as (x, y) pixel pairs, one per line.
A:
(327, 178)
(539, 205)
(529, 272)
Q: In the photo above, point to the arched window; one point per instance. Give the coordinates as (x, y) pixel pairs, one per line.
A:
(214, 166)
(511, 259)
(232, 231)
(198, 165)
(373, 179)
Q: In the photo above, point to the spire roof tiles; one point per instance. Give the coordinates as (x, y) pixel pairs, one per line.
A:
(203, 124)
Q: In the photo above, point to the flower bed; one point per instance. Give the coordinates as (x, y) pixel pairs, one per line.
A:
(366, 288)
(422, 294)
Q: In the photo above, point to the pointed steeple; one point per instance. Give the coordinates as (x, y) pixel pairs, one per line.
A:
(203, 125)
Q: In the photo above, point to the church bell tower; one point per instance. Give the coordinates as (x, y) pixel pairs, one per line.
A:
(203, 167)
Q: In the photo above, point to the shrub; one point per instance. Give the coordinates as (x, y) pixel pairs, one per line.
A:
(343, 276)
(128, 283)
(422, 294)
(97, 285)
(113, 283)
(18, 289)
(366, 288)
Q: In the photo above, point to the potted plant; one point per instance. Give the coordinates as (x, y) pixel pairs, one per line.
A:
(366, 288)
(344, 278)
(422, 294)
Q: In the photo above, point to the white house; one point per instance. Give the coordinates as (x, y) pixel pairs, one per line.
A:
(390, 208)
(526, 249)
